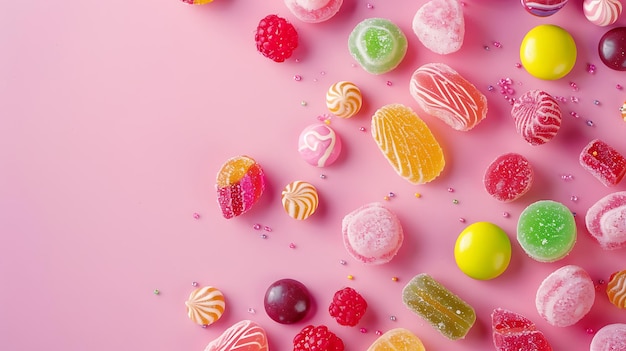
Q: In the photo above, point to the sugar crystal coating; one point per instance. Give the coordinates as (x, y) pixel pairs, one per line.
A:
(616, 289)
(512, 331)
(603, 162)
(240, 184)
(546, 230)
(565, 296)
(314, 11)
(378, 45)
(606, 221)
(398, 339)
(245, 335)
(407, 143)
(205, 305)
(508, 177)
(611, 337)
(602, 12)
(443, 93)
(441, 308)
(440, 26)
(537, 116)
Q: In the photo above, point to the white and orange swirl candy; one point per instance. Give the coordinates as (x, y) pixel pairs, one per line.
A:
(344, 99)
(602, 12)
(616, 289)
(205, 305)
(242, 336)
(443, 93)
(300, 199)
(407, 143)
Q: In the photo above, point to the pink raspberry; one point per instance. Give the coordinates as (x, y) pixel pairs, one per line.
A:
(347, 307)
(318, 338)
(276, 38)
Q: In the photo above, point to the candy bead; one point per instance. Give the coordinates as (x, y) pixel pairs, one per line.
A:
(300, 199)
(606, 221)
(314, 11)
(319, 145)
(398, 339)
(603, 162)
(378, 45)
(440, 26)
(548, 52)
(287, 301)
(407, 143)
(602, 12)
(240, 184)
(546, 230)
(611, 337)
(443, 93)
(344, 99)
(537, 116)
(205, 305)
(241, 336)
(514, 332)
(508, 177)
(441, 308)
(565, 296)
(543, 8)
(616, 289)
(482, 251)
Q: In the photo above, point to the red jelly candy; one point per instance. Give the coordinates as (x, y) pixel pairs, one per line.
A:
(512, 331)
(603, 162)
(508, 177)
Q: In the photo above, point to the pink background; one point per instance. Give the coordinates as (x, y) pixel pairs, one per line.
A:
(116, 116)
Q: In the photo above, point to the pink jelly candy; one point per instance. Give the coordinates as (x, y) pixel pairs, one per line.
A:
(512, 331)
(603, 162)
(611, 337)
(606, 221)
(242, 336)
(440, 26)
(508, 177)
(313, 11)
(565, 296)
(443, 93)
(537, 116)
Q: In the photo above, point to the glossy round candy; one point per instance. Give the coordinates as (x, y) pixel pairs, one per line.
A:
(319, 145)
(612, 49)
(543, 8)
(482, 251)
(548, 52)
(602, 12)
(205, 305)
(287, 301)
(314, 11)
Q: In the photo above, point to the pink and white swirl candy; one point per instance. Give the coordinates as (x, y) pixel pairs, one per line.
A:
(242, 336)
(606, 221)
(344, 99)
(537, 116)
(205, 305)
(602, 12)
(543, 8)
(319, 145)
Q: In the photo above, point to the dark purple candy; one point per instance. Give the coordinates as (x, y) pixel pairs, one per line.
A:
(287, 301)
(612, 48)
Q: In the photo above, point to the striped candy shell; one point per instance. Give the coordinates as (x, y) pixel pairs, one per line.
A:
(602, 12)
(300, 199)
(616, 289)
(205, 305)
(242, 336)
(443, 93)
(543, 8)
(537, 117)
(606, 221)
(344, 99)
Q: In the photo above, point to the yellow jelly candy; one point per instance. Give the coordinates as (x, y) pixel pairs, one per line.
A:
(482, 251)
(548, 52)
(398, 339)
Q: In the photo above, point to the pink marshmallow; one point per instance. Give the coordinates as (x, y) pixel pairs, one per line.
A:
(606, 221)
(313, 11)
(611, 337)
(440, 26)
(565, 296)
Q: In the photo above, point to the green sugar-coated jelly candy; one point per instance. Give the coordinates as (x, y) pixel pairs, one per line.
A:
(378, 45)
(546, 230)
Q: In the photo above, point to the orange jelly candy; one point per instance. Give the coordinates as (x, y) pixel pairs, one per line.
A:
(407, 143)
(398, 339)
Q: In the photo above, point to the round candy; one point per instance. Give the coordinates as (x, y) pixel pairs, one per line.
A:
(344, 99)
(611, 337)
(546, 230)
(548, 52)
(606, 221)
(612, 48)
(565, 296)
(616, 289)
(319, 145)
(482, 251)
(378, 45)
(543, 8)
(205, 305)
(300, 199)
(508, 177)
(440, 26)
(537, 116)
(602, 12)
(287, 301)
(313, 11)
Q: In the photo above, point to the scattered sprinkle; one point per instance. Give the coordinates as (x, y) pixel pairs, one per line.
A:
(505, 214)
(362, 129)
(350, 277)
(589, 123)
(589, 330)
(574, 99)
(596, 102)
(196, 215)
(370, 6)
(263, 236)
(323, 176)
(389, 83)
(379, 333)
(393, 318)
(450, 190)
(267, 229)
(395, 279)
(574, 198)
(292, 245)
(363, 330)
(618, 87)
(518, 65)
(418, 195)
(297, 77)
(391, 194)
(455, 201)
(256, 226)
(386, 198)
(342, 262)
(303, 103)
(251, 310)
(497, 44)
(194, 284)
(591, 68)
(462, 220)
(156, 291)
(574, 86)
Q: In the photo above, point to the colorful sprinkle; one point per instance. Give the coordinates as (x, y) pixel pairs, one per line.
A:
(363, 330)
(251, 310)
(194, 284)
(292, 245)
(297, 77)
(591, 68)
(350, 277)
(196, 215)
(156, 291)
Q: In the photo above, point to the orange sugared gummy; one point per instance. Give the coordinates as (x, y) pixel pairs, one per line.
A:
(233, 170)
(398, 339)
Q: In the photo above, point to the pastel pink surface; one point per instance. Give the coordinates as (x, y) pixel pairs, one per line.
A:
(372, 234)
(116, 116)
(440, 26)
(611, 337)
(314, 11)
(565, 296)
(319, 145)
(606, 221)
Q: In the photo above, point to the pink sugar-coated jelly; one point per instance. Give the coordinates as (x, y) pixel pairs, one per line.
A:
(512, 331)
(603, 162)
(508, 177)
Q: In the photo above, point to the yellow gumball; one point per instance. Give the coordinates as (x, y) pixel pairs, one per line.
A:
(482, 251)
(548, 52)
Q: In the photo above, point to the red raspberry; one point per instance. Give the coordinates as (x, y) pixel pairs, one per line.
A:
(276, 38)
(318, 338)
(348, 307)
